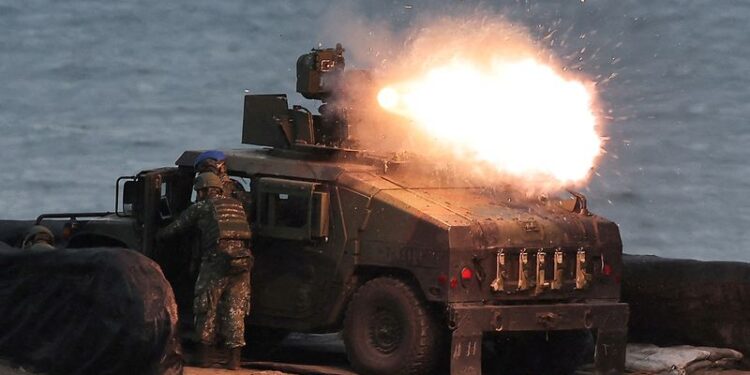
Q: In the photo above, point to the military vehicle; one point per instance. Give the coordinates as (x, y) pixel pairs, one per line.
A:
(412, 265)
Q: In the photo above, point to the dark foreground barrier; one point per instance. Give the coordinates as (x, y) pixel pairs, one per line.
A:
(87, 311)
(678, 301)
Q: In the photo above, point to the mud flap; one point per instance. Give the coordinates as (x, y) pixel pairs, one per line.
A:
(466, 348)
(609, 357)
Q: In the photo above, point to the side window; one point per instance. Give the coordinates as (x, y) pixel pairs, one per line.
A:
(241, 181)
(175, 190)
(289, 209)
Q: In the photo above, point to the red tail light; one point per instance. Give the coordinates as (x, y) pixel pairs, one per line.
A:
(609, 272)
(442, 279)
(466, 273)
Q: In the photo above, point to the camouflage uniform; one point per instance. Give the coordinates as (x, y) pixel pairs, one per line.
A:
(229, 185)
(221, 298)
(222, 292)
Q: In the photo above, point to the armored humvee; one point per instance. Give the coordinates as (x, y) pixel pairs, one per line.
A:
(411, 267)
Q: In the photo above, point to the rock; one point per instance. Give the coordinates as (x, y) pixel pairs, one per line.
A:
(678, 301)
(87, 311)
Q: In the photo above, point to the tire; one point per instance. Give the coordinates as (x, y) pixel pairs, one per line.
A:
(390, 330)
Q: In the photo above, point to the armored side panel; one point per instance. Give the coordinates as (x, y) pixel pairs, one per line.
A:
(303, 122)
(266, 121)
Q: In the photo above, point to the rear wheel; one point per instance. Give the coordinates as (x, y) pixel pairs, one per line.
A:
(389, 329)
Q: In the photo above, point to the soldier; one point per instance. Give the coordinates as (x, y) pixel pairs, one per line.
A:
(222, 291)
(39, 237)
(215, 161)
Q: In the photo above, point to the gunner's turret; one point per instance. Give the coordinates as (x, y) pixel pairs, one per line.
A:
(268, 120)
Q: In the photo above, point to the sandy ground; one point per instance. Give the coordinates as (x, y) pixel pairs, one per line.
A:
(209, 371)
(7, 369)
(321, 350)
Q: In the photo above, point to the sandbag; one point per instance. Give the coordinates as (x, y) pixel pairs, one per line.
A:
(87, 311)
(678, 360)
(678, 301)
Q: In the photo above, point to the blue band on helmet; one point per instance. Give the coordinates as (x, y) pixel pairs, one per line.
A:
(210, 154)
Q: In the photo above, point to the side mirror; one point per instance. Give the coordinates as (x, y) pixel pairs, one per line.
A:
(129, 191)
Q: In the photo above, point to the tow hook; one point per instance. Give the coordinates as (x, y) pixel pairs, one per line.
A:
(497, 321)
(452, 320)
(547, 320)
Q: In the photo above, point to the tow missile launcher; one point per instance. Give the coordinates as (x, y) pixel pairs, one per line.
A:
(268, 120)
(404, 263)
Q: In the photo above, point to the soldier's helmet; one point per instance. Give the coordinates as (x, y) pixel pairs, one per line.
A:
(208, 159)
(208, 180)
(38, 233)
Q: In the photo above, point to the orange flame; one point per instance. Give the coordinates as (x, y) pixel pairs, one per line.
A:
(519, 115)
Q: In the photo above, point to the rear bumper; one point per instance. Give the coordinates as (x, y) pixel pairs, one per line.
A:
(470, 321)
(568, 316)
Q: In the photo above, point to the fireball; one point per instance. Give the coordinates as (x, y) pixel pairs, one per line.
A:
(520, 116)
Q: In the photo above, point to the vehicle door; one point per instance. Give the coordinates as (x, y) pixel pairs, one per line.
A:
(166, 193)
(291, 268)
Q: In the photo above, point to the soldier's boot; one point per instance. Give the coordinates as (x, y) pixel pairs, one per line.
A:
(235, 357)
(204, 356)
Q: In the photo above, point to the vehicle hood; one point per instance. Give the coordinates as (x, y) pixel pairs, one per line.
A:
(479, 217)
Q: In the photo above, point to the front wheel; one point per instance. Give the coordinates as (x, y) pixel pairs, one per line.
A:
(389, 329)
